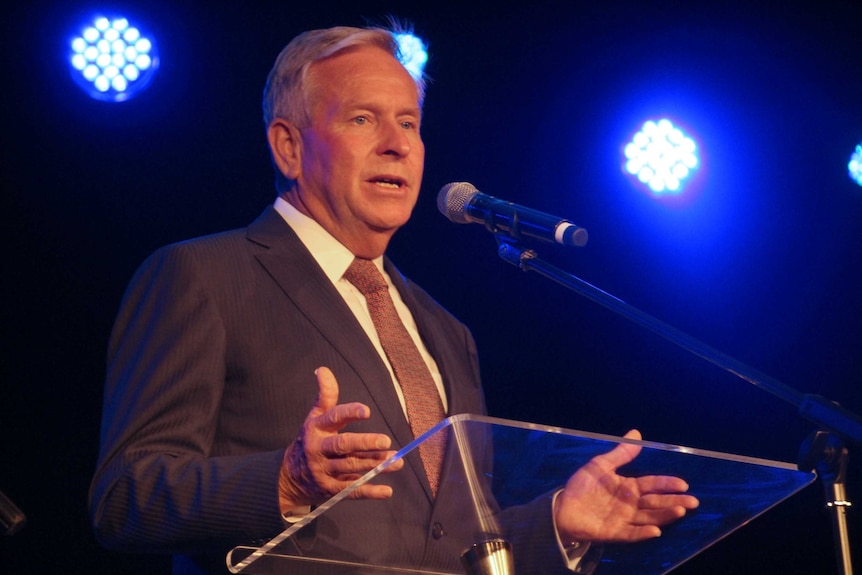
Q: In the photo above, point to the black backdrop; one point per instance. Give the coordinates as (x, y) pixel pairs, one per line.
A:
(528, 103)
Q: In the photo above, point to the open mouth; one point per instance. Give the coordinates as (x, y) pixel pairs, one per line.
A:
(394, 183)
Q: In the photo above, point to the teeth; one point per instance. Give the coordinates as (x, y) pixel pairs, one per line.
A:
(388, 183)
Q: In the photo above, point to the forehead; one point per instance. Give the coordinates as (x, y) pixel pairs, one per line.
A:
(359, 72)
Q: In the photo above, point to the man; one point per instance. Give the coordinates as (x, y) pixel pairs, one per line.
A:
(247, 379)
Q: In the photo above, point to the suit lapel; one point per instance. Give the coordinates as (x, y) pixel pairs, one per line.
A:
(429, 332)
(439, 348)
(296, 272)
(459, 381)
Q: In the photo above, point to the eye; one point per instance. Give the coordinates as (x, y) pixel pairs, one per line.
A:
(360, 120)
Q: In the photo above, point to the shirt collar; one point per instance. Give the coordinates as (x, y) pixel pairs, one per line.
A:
(331, 255)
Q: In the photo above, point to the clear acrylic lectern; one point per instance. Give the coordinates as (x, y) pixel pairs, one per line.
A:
(502, 474)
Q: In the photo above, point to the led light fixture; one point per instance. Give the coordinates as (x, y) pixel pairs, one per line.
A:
(112, 60)
(660, 156)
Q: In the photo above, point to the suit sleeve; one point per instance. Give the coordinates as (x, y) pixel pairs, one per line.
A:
(156, 486)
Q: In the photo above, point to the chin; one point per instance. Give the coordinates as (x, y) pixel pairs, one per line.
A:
(390, 219)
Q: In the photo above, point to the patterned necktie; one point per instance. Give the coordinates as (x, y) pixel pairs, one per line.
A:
(424, 406)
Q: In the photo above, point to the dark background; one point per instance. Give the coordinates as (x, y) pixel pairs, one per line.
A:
(530, 104)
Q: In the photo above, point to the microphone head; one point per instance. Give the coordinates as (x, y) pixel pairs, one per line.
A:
(453, 199)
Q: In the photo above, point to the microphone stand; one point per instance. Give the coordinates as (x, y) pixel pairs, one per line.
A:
(825, 451)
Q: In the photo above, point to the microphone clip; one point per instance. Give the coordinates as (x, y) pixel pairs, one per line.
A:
(510, 233)
(509, 251)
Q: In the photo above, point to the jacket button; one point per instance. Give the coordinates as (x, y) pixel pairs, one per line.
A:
(437, 531)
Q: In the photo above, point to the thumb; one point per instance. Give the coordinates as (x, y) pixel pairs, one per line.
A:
(327, 395)
(621, 454)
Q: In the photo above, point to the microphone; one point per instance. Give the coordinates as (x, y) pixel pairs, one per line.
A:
(462, 203)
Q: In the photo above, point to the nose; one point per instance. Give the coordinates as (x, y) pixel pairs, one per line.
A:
(395, 140)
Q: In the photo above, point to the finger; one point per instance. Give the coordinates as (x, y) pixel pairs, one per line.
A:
(658, 517)
(371, 491)
(357, 464)
(378, 457)
(661, 484)
(351, 444)
(351, 475)
(645, 532)
(621, 454)
(335, 419)
(346, 472)
(332, 486)
(637, 533)
(654, 501)
(375, 459)
(395, 465)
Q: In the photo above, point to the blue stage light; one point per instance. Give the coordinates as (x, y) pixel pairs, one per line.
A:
(661, 156)
(414, 54)
(111, 60)
(855, 165)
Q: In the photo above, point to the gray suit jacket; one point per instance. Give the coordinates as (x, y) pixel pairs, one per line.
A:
(210, 376)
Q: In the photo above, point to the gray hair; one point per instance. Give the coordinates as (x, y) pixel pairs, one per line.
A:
(286, 93)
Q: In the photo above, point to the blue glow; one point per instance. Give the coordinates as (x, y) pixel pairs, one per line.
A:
(855, 165)
(112, 60)
(414, 54)
(661, 156)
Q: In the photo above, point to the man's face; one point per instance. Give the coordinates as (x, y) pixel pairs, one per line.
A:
(362, 157)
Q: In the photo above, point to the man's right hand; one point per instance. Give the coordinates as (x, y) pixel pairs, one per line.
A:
(322, 461)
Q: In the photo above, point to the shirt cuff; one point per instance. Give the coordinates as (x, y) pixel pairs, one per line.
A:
(295, 514)
(572, 551)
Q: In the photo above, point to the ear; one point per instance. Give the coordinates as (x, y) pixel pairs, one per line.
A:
(285, 144)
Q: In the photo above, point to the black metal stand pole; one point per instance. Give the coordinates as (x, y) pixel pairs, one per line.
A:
(826, 453)
(827, 414)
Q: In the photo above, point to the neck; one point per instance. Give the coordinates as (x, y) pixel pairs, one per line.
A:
(366, 243)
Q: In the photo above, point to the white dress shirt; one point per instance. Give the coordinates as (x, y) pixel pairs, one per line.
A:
(334, 259)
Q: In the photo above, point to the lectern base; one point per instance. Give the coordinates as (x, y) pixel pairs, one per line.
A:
(492, 557)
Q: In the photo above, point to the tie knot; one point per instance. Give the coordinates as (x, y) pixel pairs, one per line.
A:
(365, 276)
